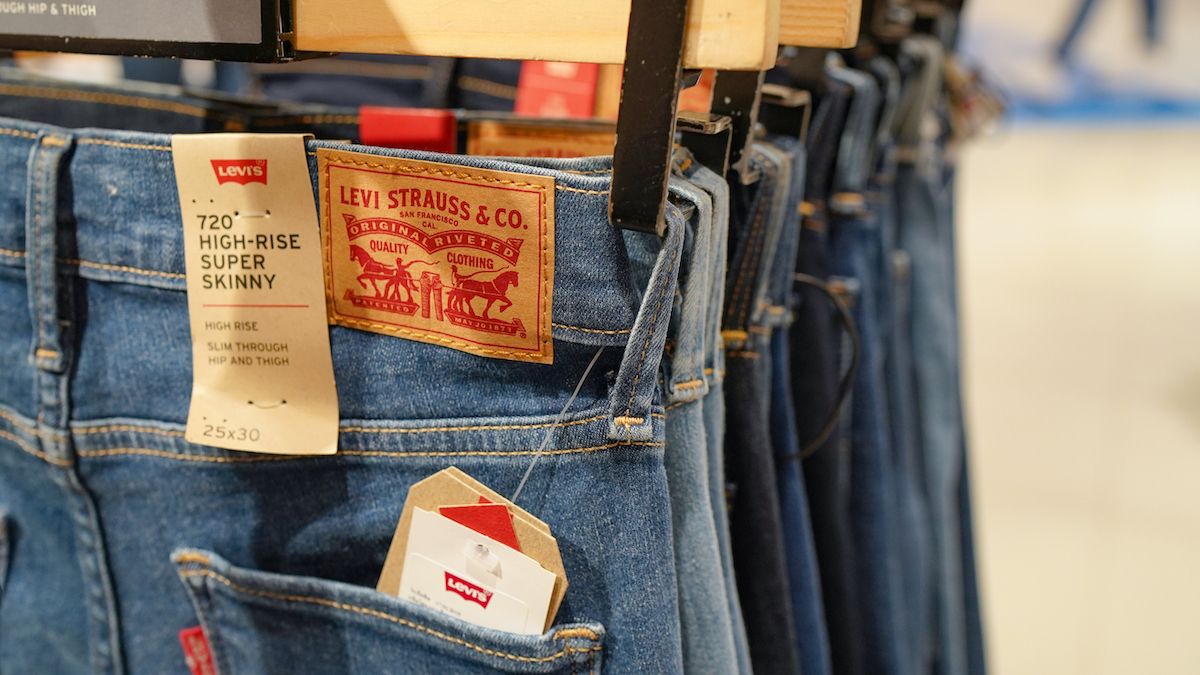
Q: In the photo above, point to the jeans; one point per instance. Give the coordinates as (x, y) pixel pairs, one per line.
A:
(856, 253)
(123, 534)
(755, 521)
(714, 401)
(815, 356)
(777, 313)
(926, 234)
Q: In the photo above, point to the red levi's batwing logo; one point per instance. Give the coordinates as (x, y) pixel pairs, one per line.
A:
(468, 591)
(196, 652)
(240, 171)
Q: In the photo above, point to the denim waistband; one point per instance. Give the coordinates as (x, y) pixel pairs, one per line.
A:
(854, 157)
(159, 108)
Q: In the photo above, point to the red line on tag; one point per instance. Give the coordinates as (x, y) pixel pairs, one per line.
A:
(196, 651)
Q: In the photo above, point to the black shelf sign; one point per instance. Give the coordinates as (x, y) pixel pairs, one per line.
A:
(221, 30)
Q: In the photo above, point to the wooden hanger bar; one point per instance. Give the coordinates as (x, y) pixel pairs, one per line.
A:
(820, 23)
(722, 34)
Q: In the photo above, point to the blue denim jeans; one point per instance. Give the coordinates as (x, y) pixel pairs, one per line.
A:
(856, 253)
(714, 401)
(759, 551)
(122, 533)
(926, 234)
(815, 359)
(777, 312)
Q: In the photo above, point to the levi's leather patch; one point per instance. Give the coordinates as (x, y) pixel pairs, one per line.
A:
(439, 253)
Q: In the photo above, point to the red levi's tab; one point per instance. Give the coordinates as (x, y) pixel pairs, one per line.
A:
(408, 128)
(552, 89)
(241, 171)
(468, 591)
(490, 520)
(196, 651)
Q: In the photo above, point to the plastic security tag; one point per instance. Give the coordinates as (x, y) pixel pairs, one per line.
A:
(262, 371)
(444, 254)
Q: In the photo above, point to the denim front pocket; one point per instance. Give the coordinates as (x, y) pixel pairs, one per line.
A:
(260, 623)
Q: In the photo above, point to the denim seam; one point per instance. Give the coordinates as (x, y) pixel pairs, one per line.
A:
(545, 299)
(765, 207)
(102, 266)
(110, 99)
(33, 451)
(355, 453)
(31, 429)
(368, 430)
(17, 132)
(741, 280)
(646, 347)
(622, 331)
(566, 651)
(743, 355)
(120, 144)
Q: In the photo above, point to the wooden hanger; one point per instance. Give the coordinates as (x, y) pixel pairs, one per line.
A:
(722, 34)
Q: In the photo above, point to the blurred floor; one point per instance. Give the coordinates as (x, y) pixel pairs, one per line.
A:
(1080, 259)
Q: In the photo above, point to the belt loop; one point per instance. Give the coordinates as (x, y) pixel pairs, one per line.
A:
(45, 295)
(634, 391)
(685, 371)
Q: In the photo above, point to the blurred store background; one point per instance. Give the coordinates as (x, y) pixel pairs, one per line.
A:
(1080, 235)
(1079, 249)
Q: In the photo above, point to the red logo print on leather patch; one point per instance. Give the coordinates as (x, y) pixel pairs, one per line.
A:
(468, 591)
(241, 171)
(196, 652)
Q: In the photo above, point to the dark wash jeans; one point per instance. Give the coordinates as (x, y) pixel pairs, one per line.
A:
(120, 534)
(815, 338)
(755, 521)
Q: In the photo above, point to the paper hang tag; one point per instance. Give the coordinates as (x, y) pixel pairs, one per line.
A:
(454, 569)
(452, 487)
(443, 254)
(516, 139)
(262, 372)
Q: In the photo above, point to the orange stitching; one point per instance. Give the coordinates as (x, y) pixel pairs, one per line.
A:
(54, 141)
(347, 321)
(650, 333)
(11, 253)
(383, 615)
(365, 430)
(111, 99)
(17, 132)
(31, 450)
(586, 192)
(33, 430)
(118, 144)
(193, 557)
(350, 453)
(691, 384)
(743, 355)
(120, 268)
(575, 632)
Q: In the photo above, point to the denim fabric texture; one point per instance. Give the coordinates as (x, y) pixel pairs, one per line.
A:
(776, 314)
(926, 234)
(714, 400)
(815, 358)
(856, 253)
(759, 552)
(124, 533)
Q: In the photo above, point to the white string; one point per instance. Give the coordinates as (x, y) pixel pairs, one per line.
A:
(557, 420)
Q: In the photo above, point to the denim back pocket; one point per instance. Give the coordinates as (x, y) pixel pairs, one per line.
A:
(261, 623)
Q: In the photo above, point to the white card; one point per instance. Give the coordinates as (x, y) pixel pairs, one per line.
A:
(456, 570)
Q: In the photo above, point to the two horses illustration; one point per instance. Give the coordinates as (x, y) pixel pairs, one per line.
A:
(395, 277)
(466, 289)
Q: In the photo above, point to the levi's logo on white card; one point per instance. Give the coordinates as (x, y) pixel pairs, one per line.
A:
(454, 569)
(241, 171)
